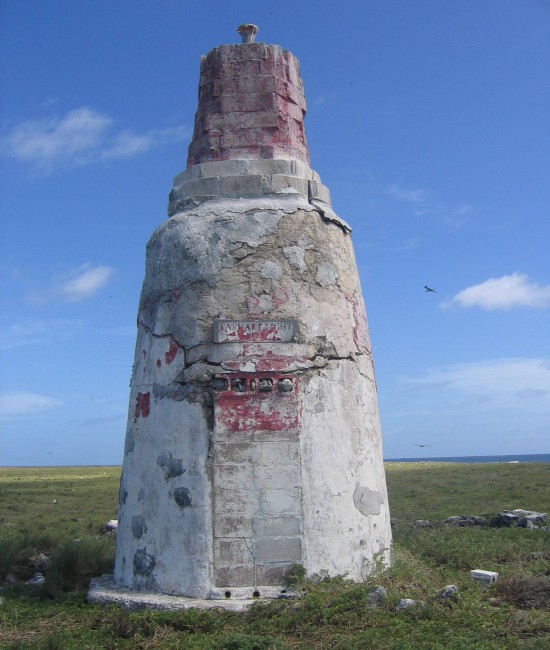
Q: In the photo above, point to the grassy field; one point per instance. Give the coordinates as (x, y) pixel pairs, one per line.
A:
(62, 512)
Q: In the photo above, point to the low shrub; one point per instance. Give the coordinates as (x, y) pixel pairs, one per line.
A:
(525, 591)
(74, 563)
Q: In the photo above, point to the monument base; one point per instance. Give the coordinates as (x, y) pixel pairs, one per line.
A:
(104, 591)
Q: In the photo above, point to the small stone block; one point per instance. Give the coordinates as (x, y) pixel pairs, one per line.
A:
(484, 576)
(235, 576)
(231, 551)
(240, 186)
(275, 526)
(232, 526)
(273, 575)
(319, 191)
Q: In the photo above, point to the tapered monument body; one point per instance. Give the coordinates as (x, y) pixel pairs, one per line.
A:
(253, 440)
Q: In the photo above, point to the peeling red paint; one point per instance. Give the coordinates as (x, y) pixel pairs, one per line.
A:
(253, 305)
(276, 362)
(253, 410)
(143, 405)
(280, 296)
(249, 108)
(172, 351)
(361, 330)
(159, 363)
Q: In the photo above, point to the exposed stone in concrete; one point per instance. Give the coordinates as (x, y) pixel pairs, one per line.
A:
(172, 467)
(368, 501)
(326, 275)
(139, 527)
(182, 497)
(271, 270)
(144, 562)
(295, 256)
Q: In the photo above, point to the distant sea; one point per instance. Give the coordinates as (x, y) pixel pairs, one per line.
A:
(518, 458)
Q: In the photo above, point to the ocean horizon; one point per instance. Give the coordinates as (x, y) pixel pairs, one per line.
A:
(508, 458)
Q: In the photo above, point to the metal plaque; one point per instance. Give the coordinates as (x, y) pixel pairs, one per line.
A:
(229, 331)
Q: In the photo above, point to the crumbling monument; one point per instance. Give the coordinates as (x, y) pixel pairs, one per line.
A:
(253, 440)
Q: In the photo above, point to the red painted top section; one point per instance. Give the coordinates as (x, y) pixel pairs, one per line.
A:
(251, 105)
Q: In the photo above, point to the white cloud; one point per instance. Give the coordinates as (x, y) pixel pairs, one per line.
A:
(80, 137)
(87, 280)
(70, 139)
(482, 407)
(74, 286)
(19, 403)
(410, 195)
(33, 332)
(489, 380)
(128, 144)
(324, 97)
(507, 292)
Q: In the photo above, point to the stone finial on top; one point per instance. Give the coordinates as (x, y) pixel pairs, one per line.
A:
(248, 32)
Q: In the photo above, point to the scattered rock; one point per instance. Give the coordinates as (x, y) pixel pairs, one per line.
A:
(40, 562)
(422, 523)
(520, 512)
(450, 592)
(377, 595)
(111, 525)
(464, 520)
(408, 603)
(504, 519)
(37, 580)
(533, 518)
(507, 518)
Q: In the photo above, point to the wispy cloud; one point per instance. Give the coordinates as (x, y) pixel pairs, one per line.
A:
(86, 281)
(75, 286)
(424, 205)
(128, 144)
(33, 332)
(323, 98)
(81, 137)
(110, 422)
(21, 403)
(471, 408)
(410, 195)
(517, 378)
(507, 292)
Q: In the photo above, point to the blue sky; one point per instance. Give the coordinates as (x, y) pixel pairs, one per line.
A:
(428, 120)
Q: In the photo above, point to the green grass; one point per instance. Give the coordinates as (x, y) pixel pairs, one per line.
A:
(333, 613)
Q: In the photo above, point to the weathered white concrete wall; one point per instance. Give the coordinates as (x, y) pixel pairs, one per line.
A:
(276, 258)
(343, 479)
(253, 441)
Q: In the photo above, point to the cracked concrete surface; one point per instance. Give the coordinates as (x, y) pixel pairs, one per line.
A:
(253, 440)
(203, 530)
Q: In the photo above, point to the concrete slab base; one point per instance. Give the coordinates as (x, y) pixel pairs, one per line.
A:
(104, 591)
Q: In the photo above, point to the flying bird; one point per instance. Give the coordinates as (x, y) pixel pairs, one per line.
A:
(421, 445)
(429, 289)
